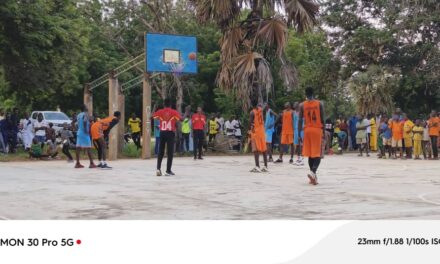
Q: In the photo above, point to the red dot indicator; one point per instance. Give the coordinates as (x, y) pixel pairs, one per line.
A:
(78, 242)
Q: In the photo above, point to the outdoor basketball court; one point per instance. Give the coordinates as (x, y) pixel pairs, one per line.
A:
(222, 188)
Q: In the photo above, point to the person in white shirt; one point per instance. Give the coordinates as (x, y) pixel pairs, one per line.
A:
(237, 131)
(221, 122)
(40, 127)
(367, 121)
(27, 131)
(229, 127)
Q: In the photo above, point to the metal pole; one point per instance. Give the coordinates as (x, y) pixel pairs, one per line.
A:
(146, 118)
(88, 98)
(113, 105)
(121, 124)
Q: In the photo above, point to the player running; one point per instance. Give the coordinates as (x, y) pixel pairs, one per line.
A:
(167, 117)
(312, 112)
(258, 138)
(99, 131)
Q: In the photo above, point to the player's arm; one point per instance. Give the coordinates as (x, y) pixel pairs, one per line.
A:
(251, 121)
(301, 118)
(321, 113)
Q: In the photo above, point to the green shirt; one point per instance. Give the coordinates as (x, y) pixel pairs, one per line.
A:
(36, 149)
(185, 126)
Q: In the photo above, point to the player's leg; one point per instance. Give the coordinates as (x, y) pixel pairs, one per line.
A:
(201, 142)
(98, 149)
(195, 142)
(161, 154)
(89, 154)
(78, 152)
(292, 152)
(170, 153)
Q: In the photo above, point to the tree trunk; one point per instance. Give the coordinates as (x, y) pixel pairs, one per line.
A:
(179, 98)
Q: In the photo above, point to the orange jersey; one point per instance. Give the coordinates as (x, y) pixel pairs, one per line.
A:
(397, 129)
(287, 128)
(312, 114)
(98, 128)
(258, 121)
(258, 137)
(434, 126)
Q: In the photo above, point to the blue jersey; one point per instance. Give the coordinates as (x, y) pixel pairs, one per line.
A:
(385, 130)
(269, 125)
(81, 128)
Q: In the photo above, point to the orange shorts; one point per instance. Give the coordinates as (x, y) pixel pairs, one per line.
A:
(286, 139)
(312, 142)
(258, 143)
(96, 131)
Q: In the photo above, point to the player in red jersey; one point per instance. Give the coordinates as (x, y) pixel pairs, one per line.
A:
(167, 118)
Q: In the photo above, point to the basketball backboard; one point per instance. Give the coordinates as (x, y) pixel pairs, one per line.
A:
(170, 53)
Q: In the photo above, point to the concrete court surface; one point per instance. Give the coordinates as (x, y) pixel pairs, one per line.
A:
(222, 188)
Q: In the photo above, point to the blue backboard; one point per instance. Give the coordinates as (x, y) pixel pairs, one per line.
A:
(170, 53)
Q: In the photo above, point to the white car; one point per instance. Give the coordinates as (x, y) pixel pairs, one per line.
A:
(54, 117)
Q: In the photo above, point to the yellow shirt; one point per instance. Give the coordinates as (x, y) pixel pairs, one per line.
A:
(135, 125)
(337, 129)
(213, 126)
(418, 136)
(407, 129)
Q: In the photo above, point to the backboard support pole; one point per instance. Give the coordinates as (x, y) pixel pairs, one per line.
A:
(113, 105)
(146, 117)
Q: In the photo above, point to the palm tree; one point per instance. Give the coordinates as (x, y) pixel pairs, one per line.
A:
(254, 38)
(373, 90)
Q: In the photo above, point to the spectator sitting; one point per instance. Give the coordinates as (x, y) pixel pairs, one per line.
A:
(36, 151)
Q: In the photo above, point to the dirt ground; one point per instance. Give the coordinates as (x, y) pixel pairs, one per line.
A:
(222, 188)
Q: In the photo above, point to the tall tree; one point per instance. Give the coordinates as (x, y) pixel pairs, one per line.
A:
(254, 36)
(391, 35)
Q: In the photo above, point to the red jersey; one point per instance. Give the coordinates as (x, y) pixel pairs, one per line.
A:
(312, 114)
(258, 121)
(198, 121)
(167, 118)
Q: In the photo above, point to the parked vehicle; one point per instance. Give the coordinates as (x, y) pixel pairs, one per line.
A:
(54, 117)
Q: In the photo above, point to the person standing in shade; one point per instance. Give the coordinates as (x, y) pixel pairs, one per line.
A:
(135, 128)
(198, 121)
(269, 129)
(27, 129)
(186, 131)
(40, 127)
(373, 135)
(167, 117)
(213, 129)
(83, 139)
(237, 132)
(361, 134)
(312, 112)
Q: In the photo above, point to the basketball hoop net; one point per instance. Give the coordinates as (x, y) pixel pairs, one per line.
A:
(176, 68)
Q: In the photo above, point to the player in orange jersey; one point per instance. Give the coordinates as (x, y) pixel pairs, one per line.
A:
(258, 137)
(312, 113)
(286, 132)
